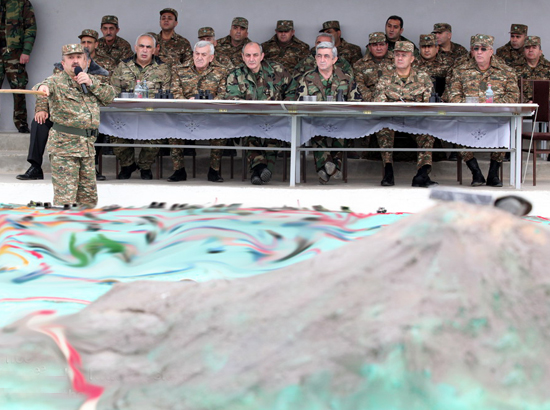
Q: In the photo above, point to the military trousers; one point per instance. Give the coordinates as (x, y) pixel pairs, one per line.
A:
(126, 155)
(256, 157)
(386, 139)
(17, 76)
(73, 180)
(495, 156)
(322, 157)
(177, 154)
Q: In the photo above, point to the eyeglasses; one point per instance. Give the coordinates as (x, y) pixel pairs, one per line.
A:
(484, 49)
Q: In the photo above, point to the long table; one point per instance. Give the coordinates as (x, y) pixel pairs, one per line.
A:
(484, 127)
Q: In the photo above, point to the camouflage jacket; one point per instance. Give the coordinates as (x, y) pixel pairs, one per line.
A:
(118, 51)
(456, 52)
(106, 62)
(438, 67)
(175, 50)
(270, 83)
(157, 74)
(469, 81)
(511, 56)
(540, 72)
(288, 55)
(187, 81)
(313, 83)
(368, 71)
(417, 87)
(226, 49)
(346, 51)
(309, 64)
(69, 106)
(19, 30)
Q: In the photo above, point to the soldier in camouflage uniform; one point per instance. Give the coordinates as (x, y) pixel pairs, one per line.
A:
(327, 80)
(471, 79)
(347, 51)
(141, 67)
(76, 121)
(17, 35)
(432, 62)
(309, 63)
(284, 47)
(111, 45)
(512, 52)
(405, 84)
(174, 48)
(208, 34)
(258, 79)
(394, 30)
(206, 74)
(536, 67)
(447, 49)
(231, 46)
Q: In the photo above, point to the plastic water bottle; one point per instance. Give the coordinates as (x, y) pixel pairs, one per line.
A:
(138, 90)
(489, 94)
(145, 89)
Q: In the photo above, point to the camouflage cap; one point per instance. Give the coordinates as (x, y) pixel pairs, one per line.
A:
(428, 40)
(109, 20)
(169, 10)
(532, 41)
(404, 46)
(72, 49)
(206, 32)
(518, 29)
(285, 25)
(472, 41)
(377, 37)
(441, 27)
(484, 40)
(327, 25)
(89, 33)
(240, 21)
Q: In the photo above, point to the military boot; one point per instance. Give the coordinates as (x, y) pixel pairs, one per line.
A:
(388, 175)
(178, 175)
(492, 177)
(214, 176)
(421, 179)
(477, 177)
(126, 172)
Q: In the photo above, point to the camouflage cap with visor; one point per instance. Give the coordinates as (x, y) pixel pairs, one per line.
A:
(110, 20)
(484, 40)
(406, 46)
(240, 21)
(285, 25)
(72, 49)
(427, 40)
(169, 10)
(206, 32)
(377, 37)
(518, 29)
(532, 41)
(327, 25)
(441, 27)
(89, 33)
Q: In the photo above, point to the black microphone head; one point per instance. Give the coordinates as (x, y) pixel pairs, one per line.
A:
(77, 70)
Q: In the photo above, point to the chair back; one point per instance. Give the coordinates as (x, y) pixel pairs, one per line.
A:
(541, 96)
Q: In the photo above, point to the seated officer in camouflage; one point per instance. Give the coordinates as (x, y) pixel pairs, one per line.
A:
(309, 63)
(231, 45)
(512, 51)
(284, 47)
(144, 67)
(405, 84)
(173, 48)
(324, 82)
(347, 51)
(258, 79)
(536, 67)
(471, 79)
(447, 49)
(111, 45)
(204, 73)
(432, 62)
(208, 34)
(75, 115)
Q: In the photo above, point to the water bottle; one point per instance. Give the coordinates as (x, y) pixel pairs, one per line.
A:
(489, 94)
(145, 89)
(138, 90)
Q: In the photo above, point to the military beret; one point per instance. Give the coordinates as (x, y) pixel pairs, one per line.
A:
(377, 37)
(518, 29)
(285, 25)
(404, 46)
(206, 32)
(169, 10)
(72, 49)
(109, 20)
(240, 21)
(532, 41)
(89, 33)
(484, 40)
(441, 27)
(327, 25)
(428, 40)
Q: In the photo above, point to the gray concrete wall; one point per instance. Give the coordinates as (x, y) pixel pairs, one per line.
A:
(60, 22)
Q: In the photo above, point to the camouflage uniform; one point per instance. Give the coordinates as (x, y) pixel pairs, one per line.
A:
(417, 87)
(175, 50)
(227, 50)
(157, 75)
(391, 45)
(288, 54)
(270, 83)
(511, 56)
(368, 71)
(17, 35)
(309, 64)
(118, 51)
(456, 52)
(106, 62)
(349, 52)
(313, 83)
(540, 72)
(71, 154)
(186, 83)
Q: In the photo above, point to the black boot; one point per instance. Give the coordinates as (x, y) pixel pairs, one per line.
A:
(477, 177)
(178, 175)
(492, 177)
(32, 173)
(388, 175)
(126, 172)
(98, 176)
(257, 172)
(421, 179)
(214, 176)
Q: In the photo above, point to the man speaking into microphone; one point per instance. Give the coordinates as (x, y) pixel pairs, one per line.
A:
(74, 98)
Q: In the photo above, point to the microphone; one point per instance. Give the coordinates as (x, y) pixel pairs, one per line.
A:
(78, 70)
